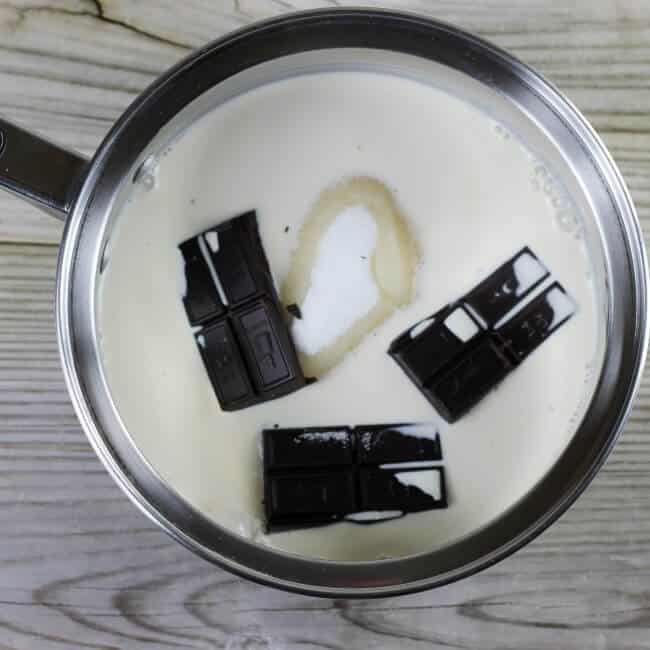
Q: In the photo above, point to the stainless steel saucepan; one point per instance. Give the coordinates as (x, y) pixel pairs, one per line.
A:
(87, 196)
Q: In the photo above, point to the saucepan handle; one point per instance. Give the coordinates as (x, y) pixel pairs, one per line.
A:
(39, 172)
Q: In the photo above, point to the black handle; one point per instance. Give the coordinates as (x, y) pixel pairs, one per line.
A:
(38, 171)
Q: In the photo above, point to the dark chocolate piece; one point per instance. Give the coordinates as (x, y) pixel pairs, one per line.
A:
(459, 354)
(262, 333)
(367, 474)
(299, 499)
(239, 259)
(464, 383)
(400, 443)
(225, 364)
(201, 300)
(430, 344)
(228, 264)
(407, 490)
(294, 310)
(530, 327)
(231, 293)
(310, 447)
(501, 291)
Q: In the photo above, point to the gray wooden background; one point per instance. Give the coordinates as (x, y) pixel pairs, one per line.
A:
(80, 568)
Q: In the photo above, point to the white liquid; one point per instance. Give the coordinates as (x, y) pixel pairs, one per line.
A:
(561, 305)
(474, 196)
(427, 481)
(460, 325)
(528, 271)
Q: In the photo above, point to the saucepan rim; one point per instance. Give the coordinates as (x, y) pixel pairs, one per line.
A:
(361, 28)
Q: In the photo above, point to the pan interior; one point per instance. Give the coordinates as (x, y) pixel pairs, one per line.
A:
(476, 177)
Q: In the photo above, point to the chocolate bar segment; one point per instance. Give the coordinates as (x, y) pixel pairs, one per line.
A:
(430, 344)
(225, 365)
(530, 327)
(231, 293)
(466, 381)
(226, 265)
(311, 447)
(201, 300)
(267, 360)
(402, 490)
(299, 499)
(236, 252)
(401, 443)
(500, 292)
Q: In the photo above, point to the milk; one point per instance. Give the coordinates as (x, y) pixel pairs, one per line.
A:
(473, 195)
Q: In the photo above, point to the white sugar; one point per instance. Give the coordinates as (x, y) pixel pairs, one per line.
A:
(528, 271)
(561, 305)
(374, 515)
(428, 482)
(342, 288)
(461, 325)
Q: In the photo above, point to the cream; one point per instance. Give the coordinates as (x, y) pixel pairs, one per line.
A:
(472, 198)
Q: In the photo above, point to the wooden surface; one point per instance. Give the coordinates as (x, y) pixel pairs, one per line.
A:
(81, 568)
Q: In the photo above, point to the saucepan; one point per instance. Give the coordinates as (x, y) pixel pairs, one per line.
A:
(86, 195)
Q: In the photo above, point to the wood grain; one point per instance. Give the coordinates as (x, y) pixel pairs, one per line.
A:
(81, 568)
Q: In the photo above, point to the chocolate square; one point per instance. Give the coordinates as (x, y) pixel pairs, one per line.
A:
(530, 327)
(311, 447)
(259, 327)
(225, 365)
(201, 301)
(405, 490)
(380, 444)
(308, 498)
(430, 344)
(506, 287)
(465, 382)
